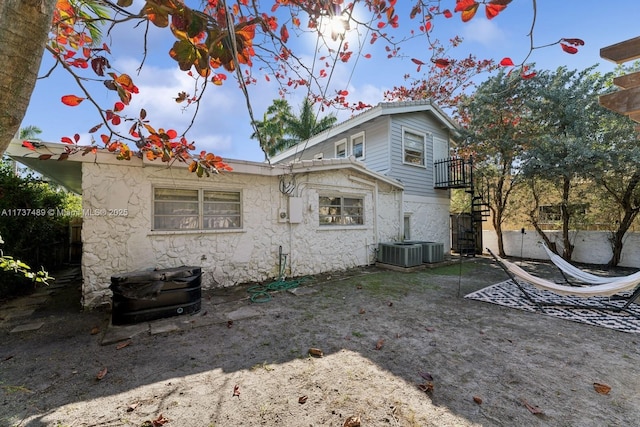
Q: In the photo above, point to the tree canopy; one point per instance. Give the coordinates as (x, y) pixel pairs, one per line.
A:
(213, 43)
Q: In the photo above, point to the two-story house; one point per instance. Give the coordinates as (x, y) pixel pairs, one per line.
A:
(400, 140)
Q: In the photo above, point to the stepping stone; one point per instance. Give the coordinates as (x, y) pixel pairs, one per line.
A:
(162, 328)
(243, 313)
(302, 291)
(116, 334)
(28, 327)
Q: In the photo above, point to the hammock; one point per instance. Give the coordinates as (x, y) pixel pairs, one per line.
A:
(610, 289)
(582, 276)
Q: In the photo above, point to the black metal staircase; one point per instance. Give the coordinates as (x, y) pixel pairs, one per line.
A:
(457, 172)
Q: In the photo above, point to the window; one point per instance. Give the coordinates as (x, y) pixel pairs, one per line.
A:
(414, 147)
(187, 209)
(357, 146)
(341, 211)
(341, 148)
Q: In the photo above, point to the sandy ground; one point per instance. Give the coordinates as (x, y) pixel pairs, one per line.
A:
(398, 349)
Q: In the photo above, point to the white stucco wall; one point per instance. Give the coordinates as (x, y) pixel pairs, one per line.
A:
(116, 242)
(591, 247)
(429, 219)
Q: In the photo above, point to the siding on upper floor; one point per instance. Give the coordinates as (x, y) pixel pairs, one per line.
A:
(384, 149)
(417, 180)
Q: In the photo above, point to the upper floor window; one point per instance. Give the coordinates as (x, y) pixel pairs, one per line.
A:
(357, 146)
(336, 210)
(341, 148)
(414, 147)
(196, 209)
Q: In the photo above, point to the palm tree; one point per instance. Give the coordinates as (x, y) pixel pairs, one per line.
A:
(271, 130)
(281, 129)
(30, 133)
(306, 124)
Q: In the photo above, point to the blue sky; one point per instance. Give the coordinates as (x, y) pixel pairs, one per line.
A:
(223, 124)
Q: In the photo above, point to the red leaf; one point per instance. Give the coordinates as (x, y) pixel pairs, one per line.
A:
(468, 9)
(66, 140)
(575, 42)
(63, 156)
(417, 61)
(72, 100)
(569, 49)
(44, 156)
(447, 13)
(494, 8)
(507, 62)
(27, 144)
(118, 106)
(442, 63)
(284, 33)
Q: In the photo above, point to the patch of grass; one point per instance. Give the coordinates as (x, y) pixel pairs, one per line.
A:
(10, 389)
(387, 284)
(357, 334)
(453, 269)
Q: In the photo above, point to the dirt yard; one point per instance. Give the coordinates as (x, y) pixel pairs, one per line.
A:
(398, 349)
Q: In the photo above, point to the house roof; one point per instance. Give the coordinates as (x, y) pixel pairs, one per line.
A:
(382, 109)
(68, 173)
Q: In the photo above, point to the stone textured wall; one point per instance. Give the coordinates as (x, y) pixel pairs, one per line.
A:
(429, 219)
(119, 238)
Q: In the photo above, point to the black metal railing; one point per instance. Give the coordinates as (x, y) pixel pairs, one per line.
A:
(453, 172)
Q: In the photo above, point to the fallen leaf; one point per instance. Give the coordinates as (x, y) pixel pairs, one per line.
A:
(533, 409)
(302, 400)
(101, 374)
(427, 387)
(379, 344)
(236, 390)
(390, 303)
(95, 331)
(352, 421)
(359, 287)
(160, 421)
(229, 323)
(133, 407)
(362, 311)
(601, 388)
(123, 345)
(477, 399)
(316, 352)
(426, 375)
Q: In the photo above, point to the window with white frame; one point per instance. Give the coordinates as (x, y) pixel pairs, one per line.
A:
(196, 209)
(414, 147)
(341, 148)
(357, 146)
(337, 210)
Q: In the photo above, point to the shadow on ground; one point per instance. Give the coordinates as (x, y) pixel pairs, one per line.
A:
(399, 349)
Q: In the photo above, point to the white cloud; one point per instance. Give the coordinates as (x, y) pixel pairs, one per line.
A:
(483, 31)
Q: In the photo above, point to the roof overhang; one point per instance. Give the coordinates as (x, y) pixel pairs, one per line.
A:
(65, 173)
(68, 173)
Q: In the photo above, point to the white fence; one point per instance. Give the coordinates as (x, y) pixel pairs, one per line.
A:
(591, 247)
